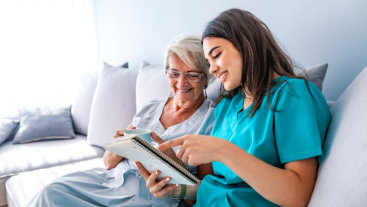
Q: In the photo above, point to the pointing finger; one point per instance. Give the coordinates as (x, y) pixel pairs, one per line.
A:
(172, 143)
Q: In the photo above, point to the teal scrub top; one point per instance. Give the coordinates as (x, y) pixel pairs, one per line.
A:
(294, 130)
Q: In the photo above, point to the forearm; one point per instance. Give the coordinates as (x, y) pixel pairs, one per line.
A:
(281, 186)
(111, 160)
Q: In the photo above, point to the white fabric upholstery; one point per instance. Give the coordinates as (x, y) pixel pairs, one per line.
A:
(151, 83)
(113, 104)
(83, 101)
(342, 176)
(213, 89)
(35, 155)
(31, 156)
(35, 180)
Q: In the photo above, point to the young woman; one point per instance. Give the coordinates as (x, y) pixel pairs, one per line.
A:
(269, 127)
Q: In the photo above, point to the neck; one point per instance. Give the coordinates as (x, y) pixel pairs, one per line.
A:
(185, 106)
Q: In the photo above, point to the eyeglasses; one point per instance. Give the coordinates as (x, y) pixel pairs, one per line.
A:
(189, 76)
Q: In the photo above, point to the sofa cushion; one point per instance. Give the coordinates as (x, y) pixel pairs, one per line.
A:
(31, 156)
(23, 187)
(82, 102)
(151, 83)
(342, 176)
(113, 105)
(35, 155)
(7, 128)
(44, 123)
(315, 74)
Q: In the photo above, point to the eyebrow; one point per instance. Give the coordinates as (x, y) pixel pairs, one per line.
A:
(211, 51)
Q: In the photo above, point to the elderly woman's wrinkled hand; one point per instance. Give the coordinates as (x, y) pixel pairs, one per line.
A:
(159, 189)
(111, 159)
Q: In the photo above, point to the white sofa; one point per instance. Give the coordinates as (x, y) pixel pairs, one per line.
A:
(105, 101)
(342, 175)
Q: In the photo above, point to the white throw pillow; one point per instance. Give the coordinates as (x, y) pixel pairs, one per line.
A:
(82, 103)
(113, 105)
(151, 83)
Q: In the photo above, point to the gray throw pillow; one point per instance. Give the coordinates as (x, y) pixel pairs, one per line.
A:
(44, 123)
(315, 74)
(7, 127)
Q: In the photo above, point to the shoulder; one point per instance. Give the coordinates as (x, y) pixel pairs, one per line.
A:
(285, 86)
(288, 91)
(151, 105)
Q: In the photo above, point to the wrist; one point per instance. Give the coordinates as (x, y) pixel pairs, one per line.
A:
(179, 191)
(223, 151)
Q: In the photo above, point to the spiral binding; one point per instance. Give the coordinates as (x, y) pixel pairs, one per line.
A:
(173, 164)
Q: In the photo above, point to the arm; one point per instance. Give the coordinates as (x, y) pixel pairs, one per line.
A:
(291, 186)
(111, 159)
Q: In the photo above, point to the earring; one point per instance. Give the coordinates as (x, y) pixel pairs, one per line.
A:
(205, 95)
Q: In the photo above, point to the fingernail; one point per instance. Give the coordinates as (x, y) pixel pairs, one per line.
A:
(168, 179)
(157, 172)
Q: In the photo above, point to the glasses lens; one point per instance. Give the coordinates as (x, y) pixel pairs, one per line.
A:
(173, 74)
(193, 76)
(189, 76)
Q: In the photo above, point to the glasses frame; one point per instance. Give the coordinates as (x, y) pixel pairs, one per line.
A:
(186, 75)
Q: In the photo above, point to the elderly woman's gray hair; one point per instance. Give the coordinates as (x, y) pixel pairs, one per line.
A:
(190, 50)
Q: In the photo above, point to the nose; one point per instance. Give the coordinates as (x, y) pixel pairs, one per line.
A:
(213, 68)
(181, 81)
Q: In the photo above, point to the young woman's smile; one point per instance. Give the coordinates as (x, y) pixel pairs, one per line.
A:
(225, 61)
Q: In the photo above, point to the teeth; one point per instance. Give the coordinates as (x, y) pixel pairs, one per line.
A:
(223, 76)
(184, 90)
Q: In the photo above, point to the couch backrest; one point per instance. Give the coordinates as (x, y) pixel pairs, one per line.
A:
(107, 103)
(342, 175)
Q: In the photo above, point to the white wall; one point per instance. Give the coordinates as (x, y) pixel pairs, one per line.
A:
(312, 32)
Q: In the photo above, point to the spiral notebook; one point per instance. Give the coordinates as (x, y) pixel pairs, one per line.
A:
(137, 149)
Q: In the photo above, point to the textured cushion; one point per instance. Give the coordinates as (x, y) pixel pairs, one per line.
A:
(113, 105)
(151, 83)
(23, 187)
(213, 89)
(7, 127)
(43, 123)
(315, 74)
(82, 103)
(36, 155)
(342, 176)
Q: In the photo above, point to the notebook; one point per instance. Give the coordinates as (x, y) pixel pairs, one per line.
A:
(137, 149)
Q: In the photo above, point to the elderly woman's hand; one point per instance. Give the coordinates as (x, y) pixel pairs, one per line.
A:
(111, 159)
(159, 189)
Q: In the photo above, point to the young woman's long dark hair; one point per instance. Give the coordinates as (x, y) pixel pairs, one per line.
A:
(261, 55)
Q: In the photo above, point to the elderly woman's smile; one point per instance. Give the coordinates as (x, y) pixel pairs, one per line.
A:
(187, 84)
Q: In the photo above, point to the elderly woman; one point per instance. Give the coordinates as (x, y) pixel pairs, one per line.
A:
(187, 111)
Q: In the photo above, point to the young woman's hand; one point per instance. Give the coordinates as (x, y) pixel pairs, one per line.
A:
(159, 189)
(111, 159)
(196, 149)
(168, 151)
